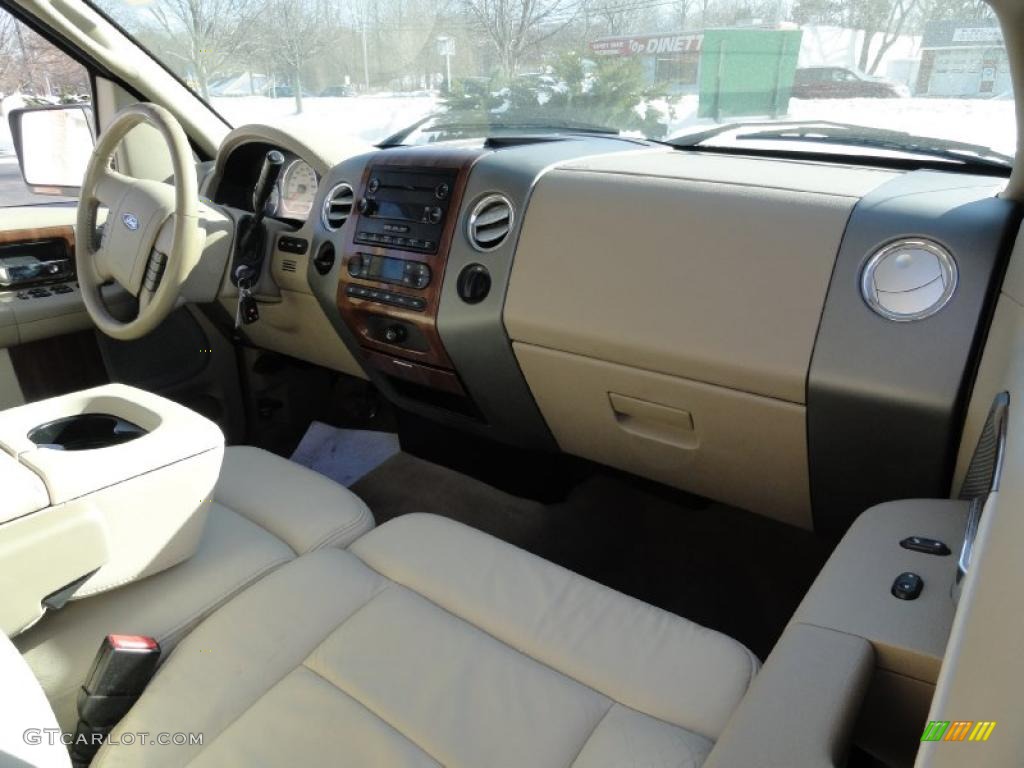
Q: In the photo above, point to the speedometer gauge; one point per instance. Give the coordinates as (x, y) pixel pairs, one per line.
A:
(298, 187)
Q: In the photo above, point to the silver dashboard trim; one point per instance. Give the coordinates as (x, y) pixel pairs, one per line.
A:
(478, 207)
(325, 207)
(950, 275)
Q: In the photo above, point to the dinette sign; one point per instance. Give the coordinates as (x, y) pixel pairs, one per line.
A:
(646, 45)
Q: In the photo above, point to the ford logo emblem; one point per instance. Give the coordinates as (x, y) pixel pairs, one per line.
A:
(130, 220)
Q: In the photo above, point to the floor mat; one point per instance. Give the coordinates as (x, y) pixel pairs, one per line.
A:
(722, 567)
(344, 455)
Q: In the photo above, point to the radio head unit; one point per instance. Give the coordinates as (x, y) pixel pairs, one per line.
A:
(32, 263)
(404, 208)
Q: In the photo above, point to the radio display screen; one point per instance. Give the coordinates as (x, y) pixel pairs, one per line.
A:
(388, 209)
(390, 270)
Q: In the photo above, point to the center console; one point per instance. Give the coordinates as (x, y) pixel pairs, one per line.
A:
(101, 487)
(393, 265)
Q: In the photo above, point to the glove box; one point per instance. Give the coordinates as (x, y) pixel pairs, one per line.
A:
(107, 486)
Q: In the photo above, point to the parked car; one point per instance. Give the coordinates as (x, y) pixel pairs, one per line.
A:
(285, 92)
(843, 83)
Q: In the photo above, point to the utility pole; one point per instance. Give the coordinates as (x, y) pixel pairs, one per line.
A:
(446, 47)
(366, 60)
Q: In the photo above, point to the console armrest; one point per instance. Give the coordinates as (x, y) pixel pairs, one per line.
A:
(103, 487)
(801, 708)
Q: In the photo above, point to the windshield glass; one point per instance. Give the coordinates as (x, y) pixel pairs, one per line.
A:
(411, 71)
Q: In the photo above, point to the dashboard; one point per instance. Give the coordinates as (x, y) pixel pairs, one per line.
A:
(596, 296)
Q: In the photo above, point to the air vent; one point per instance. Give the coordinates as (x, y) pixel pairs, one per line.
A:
(909, 280)
(289, 265)
(490, 222)
(338, 206)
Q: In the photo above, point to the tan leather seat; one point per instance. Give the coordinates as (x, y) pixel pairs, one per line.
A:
(266, 511)
(431, 643)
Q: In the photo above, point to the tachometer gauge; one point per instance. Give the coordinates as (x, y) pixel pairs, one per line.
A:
(298, 187)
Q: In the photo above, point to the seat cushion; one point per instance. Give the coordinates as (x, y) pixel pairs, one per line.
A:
(430, 643)
(258, 520)
(299, 506)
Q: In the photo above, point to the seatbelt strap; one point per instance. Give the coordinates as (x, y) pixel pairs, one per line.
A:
(123, 667)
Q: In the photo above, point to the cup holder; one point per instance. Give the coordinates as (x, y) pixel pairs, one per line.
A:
(85, 431)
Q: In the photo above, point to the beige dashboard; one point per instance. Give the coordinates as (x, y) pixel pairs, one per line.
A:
(673, 338)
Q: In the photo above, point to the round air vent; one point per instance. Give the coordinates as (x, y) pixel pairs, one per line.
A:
(338, 206)
(909, 280)
(490, 222)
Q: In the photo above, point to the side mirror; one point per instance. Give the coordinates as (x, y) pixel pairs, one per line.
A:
(53, 146)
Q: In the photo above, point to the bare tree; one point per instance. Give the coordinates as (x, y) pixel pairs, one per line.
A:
(31, 64)
(216, 33)
(298, 32)
(514, 27)
(896, 21)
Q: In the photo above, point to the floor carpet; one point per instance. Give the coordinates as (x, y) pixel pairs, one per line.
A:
(722, 567)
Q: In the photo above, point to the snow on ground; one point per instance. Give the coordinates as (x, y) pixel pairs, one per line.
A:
(989, 122)
(371, 118)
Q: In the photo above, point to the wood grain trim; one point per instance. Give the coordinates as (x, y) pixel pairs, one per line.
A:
(355, 311)
(31, 235)
(424, 375)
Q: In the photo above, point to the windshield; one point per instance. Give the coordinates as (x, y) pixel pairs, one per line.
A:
(411, 71)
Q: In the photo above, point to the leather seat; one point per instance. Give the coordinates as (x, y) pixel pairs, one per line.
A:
(430, 643)
(265, 512)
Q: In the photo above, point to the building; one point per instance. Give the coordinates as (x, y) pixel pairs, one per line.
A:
(964, 59)
(672, 58)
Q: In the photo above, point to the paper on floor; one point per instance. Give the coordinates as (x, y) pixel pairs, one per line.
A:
(344, 455)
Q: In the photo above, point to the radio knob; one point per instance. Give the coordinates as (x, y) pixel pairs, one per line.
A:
(395, 334)
(355, 265)
(367, 207)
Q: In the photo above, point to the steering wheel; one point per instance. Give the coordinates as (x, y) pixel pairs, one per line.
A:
(151, 238)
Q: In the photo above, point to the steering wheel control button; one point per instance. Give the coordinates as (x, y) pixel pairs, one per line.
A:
(907, 586)
(909, 280)
(925, 545)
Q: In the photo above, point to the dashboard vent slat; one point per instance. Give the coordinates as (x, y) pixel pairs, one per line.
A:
(490, 222)
(338, 206)
(289, 265)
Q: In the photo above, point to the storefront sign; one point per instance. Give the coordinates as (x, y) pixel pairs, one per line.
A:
(977, 35)
(647, 45)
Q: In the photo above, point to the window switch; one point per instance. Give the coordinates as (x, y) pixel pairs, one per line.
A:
(925, 545)
(907, 586)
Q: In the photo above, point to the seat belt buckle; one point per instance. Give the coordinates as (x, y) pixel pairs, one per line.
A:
(123, 666)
